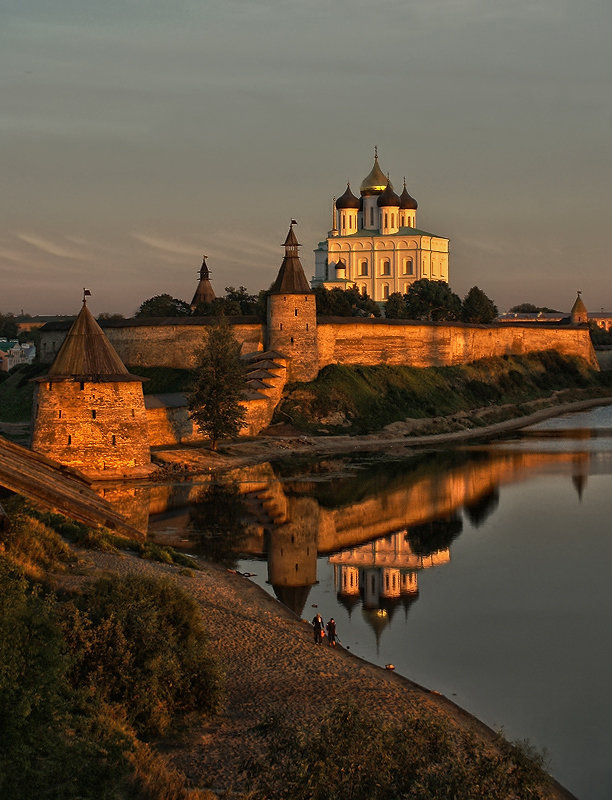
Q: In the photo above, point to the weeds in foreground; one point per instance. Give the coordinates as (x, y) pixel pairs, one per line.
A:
(351, 754)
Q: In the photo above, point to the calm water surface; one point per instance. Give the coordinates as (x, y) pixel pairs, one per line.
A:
(483, 573)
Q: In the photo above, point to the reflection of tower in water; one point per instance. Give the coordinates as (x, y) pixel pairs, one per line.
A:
(292, 554)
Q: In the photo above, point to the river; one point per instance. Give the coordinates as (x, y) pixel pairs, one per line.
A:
(481, 572)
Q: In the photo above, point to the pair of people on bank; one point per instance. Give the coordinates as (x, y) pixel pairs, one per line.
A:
(318, 629)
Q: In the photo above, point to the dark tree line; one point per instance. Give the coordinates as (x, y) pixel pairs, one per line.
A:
(435, 301)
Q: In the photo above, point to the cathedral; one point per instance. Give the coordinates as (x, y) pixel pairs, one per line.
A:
(374, 243)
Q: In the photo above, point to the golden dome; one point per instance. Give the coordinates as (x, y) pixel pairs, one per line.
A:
(375, 182)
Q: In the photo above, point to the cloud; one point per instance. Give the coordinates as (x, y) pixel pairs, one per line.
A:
(167, 245)
(49, 247)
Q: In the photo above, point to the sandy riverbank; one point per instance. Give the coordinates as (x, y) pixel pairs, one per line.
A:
(273, 669)
(397, 438)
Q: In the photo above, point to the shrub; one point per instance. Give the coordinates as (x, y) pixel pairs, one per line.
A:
(349, 754)
(52, 744)
(140, 643)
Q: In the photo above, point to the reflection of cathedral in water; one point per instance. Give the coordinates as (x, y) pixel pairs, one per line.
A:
(381, 575)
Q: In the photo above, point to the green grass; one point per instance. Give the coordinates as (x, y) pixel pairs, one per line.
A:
(368, 398)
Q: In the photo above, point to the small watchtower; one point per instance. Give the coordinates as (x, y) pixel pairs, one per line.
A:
(88, 411)
(579, 314)
(204, 292)
(292, 315)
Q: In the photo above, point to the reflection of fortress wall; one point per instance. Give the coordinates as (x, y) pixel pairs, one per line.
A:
(429, 498)
(132, 502)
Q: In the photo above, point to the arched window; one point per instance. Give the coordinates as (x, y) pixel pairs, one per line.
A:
(385, 291)
(408, 266)
(371, 216)
(393, 220)
(385, 267)
(386, 220)
(363, 267)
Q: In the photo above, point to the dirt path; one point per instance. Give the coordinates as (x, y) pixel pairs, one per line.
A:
(273, 668)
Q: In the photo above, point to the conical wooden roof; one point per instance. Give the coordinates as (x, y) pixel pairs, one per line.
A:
(291, 278)
(87, 353)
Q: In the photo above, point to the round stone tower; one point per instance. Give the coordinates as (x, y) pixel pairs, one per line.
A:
(292, 316)
(88, 411)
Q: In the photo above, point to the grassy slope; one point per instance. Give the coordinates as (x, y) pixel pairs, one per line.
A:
(362, 399)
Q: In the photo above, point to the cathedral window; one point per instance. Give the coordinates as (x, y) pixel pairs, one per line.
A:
(371, 216)
(385, 291)
(363, 267)
(385, 267)
(393, 220)
(408, 266)
(386, 220)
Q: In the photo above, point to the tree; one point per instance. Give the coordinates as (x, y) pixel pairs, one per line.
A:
(477, 307)
(395, 307)
(214, 399)
(344, 303)
(529, 308)
(432, 300)
(164, 305)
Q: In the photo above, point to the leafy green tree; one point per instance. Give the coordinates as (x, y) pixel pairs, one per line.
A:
(219, 383)
(164, 305)
(477, 307)
(219, 307)
(395, 307)
(432, 300)
(344, 303)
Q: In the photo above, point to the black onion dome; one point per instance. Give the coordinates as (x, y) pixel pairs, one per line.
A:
(388, 197)
(348, 199)
(407, 202)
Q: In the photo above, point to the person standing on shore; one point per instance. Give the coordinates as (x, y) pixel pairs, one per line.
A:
(317, 628)
(331, 632)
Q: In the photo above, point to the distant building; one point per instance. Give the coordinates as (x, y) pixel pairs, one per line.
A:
(13, 353)
(374, 243)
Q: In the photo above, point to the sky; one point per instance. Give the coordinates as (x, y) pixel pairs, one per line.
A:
(137, 135)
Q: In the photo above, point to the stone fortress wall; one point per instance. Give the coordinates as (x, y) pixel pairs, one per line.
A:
(343, 340)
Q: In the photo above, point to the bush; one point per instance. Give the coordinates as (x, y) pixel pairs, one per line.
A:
(349, 754)
(139, 643)
(52, 744)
